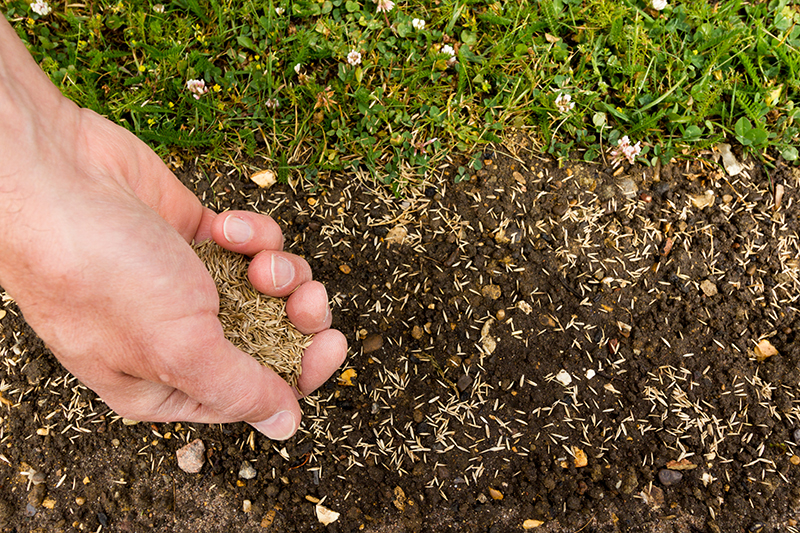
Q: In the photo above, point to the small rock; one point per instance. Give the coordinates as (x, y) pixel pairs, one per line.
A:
(524, 306)
(191, 457)
(560, 210)
(396, 235)
(500, 315)
(488, 342)
(518, 177)
(669, 477)
(579, 457)
(345, 269)
(264, 179)
(795, 460)
(30, 510)
(708, 287)
(400, 499)
(48, 503)
(628, 187)
(372, 343)
(531, 524)
(36, 495)
(325, 515)
(646, 197)
(491, 291)
(247, 471)
(764, 349)
(590, 374)
(268, 519)
(563, 377)
(701, 201)
(346, 377)
(102, 518)
(464, 382)
(796, 436)
(495, 494)
(417, 332)
(727, 198)
(129, 422)
(80, 500)
(38, 478)
(247, 506)
(683, 464)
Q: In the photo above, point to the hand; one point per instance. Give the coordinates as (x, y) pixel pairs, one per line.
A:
(94, 234)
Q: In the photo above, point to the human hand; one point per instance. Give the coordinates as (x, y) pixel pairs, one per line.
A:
(94, 233)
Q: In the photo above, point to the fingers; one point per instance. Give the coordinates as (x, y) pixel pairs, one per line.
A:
(278, 273)
(307, 308)
(246, 233)
(320, 360)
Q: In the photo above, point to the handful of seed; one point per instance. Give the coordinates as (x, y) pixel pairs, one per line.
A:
(253, 322)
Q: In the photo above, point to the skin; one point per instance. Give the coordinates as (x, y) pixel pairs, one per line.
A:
(94, 241)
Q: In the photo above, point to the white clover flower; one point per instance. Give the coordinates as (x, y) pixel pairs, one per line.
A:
(279, 11)
(297, 68)
(354, 58)
(197, 88)
(447, 49)
(158, 8)
(272, 103)
(564, 102)
(384, 5)
(625, 150)
(658, 5)
(418, 24)
(40, 7)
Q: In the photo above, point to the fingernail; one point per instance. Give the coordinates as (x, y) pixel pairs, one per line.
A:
(282, 272)
(279, 426)
(236, 230)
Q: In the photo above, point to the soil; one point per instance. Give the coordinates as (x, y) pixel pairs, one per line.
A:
(567, 346)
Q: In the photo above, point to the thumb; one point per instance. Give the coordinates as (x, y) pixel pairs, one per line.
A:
(231, 386)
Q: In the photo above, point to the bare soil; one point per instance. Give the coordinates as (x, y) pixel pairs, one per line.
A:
(572, 346)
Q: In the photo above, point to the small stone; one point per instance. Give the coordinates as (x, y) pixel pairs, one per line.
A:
(732, 166)
(524, 306)
(628, 187)
(646, 197)
(129, 422)
(764, 349)
(48, 503)
(796, 436)
(38, 478)
(708, 287)
(580, 458)
(396, 235)
(491, 291)
(531, 524)
(495, 494)
(464, 382)
(417, 332)
(518, 177)
(346, 377)
(727, 198)
(400, 499)
(36, 495)
(372, 343)
(482, 498)
(30, 510)
(264, 179)
(191, 457)
(683, 464)
(563, 377)
(345, 269)
(247, 506)
(247, 471)
(268, 519)
(701, 201)
(590, 374)
(325, 515)
(560, 210)
(795, 460)
(80, 500)
(500, 315)
(669, 477)
(102, 518)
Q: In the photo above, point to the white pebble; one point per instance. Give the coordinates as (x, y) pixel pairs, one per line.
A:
(590, 374)
(563, 377)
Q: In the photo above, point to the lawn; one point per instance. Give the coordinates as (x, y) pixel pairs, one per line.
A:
(323, 85)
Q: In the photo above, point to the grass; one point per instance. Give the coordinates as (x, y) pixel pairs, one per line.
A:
(279, 83)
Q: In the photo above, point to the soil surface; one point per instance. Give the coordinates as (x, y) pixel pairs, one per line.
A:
(567, 348)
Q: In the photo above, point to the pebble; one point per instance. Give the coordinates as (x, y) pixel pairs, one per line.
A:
(563, 377)
(708, 287)
(38, 478)
(628, 187)
(417, 332)
(795, 460)
(372, 343)
(464, 382)
(80, 500)
(36, 495)
(669, 477)
(491, 291)
(797, 435)
(247, 506)
(247, 471)
(495, 494)
(191, 457)
(531, 524)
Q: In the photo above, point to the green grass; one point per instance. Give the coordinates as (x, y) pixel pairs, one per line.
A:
(680, 80)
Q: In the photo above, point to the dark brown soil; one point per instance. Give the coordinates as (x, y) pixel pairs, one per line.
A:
(484, 305)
